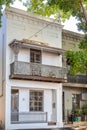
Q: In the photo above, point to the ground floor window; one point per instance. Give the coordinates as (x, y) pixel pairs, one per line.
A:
(14, 104)
(14, 100)
(36, 100)
(75, 101)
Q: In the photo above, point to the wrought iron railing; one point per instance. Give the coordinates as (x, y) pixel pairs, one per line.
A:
(28, 117)
(35, 69)
(77, 79)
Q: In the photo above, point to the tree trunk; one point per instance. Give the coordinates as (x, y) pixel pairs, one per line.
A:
(84, 11)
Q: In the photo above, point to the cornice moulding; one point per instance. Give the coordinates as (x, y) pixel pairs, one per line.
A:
(27, 15)
(35, 45)
(72, 36)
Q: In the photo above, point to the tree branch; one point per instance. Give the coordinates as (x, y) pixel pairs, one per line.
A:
(84, 11)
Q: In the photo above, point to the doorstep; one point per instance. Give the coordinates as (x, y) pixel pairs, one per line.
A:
(51, 123)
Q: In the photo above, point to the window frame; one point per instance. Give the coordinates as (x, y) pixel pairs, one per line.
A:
(75, 101)
(33, 56)
(42, 101)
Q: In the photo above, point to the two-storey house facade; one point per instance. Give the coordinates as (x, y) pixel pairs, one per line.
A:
(32, 71)
(75, 90)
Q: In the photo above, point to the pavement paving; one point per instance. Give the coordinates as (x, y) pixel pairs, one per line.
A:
(64, 128)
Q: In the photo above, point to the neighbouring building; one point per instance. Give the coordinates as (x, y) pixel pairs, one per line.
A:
(75, 90)
(31, 71)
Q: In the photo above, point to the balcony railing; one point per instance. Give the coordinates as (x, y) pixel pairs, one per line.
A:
(34, 71)
(29, 117)
(82, 79)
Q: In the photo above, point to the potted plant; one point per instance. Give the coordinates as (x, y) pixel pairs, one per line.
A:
(84, 111)
(77, 115)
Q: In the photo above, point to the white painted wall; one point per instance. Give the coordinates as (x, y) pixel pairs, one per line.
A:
(68, 100)
(47, 58)
(22, 26)
(23, 100)
(68, 103)
(32, 84)
(51, 59)
(28, 26)
(59, 105)
(48, 104)
(24, 87)
(24, 55)
(11, 56)
(54, 112)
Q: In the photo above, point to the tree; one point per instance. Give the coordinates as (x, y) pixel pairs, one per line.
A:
(67, 8)
(4, 3)
(76, 8)
(77, 61)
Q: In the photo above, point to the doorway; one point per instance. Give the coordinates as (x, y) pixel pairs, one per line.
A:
(14, 105)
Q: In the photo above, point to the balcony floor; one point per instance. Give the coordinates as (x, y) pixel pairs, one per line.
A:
(37, 78)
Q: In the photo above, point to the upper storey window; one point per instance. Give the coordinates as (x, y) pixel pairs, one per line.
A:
(35, 56)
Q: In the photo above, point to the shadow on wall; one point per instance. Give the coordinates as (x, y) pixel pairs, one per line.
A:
(1, 126)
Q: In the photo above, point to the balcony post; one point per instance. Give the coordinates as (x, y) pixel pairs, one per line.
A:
(15, 47)
(59, 105)
(64, 59)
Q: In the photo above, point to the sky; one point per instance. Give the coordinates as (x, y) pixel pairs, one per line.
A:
(68, 25)
(71, 24)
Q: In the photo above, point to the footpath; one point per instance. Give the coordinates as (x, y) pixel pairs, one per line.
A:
(75, 126)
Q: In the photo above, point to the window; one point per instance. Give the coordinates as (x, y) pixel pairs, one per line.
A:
(14, 104)
(75, 101)
(35, 56)
(14, 100)
(36, 100)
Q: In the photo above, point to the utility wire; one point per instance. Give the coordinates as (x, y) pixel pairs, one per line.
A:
(43, 28)
(39, 30)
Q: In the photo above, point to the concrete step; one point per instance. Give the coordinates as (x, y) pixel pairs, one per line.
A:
(63, 128)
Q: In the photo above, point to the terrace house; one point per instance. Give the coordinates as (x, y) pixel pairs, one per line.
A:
(32, 71)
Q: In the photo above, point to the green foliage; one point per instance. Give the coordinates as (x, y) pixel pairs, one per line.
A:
(76, 8)
(83, 43)
(51, 7)
(78, 112)
(78, 61)
(4, 3)
(84, 109)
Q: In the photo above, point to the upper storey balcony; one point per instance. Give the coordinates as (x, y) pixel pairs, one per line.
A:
(80, 79)
(35, 70)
